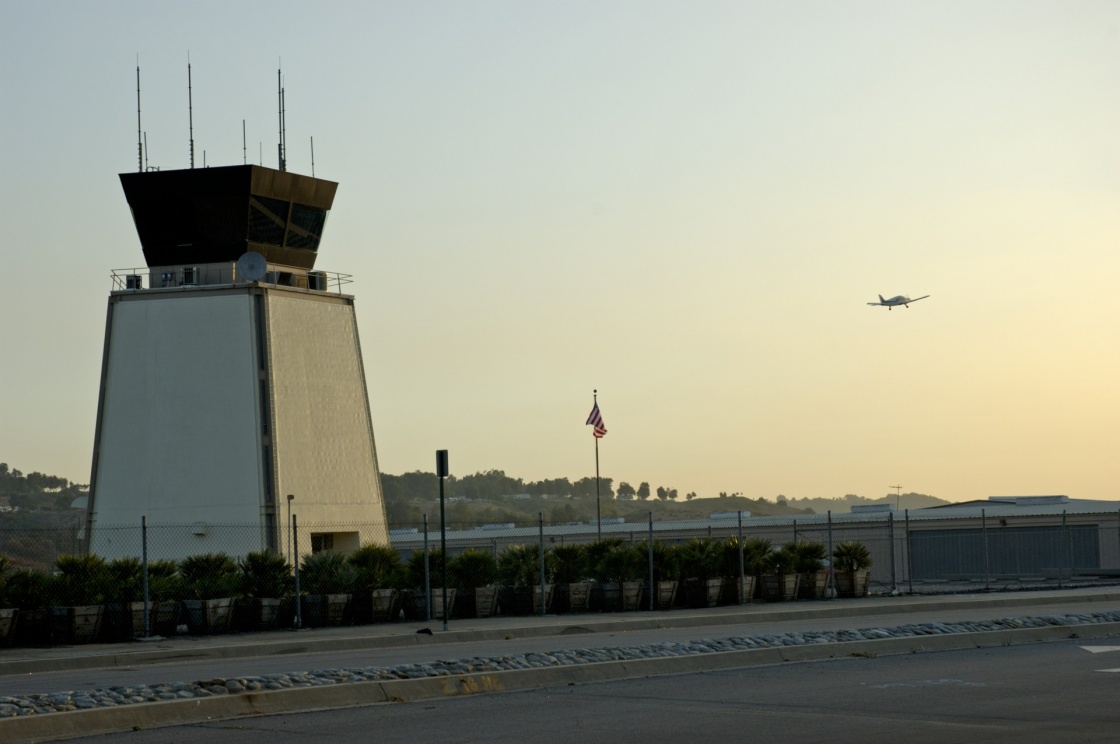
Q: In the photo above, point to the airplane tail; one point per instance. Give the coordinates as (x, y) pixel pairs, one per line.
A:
(881, 298)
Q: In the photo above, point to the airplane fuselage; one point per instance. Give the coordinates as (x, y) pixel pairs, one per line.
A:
(895, 301)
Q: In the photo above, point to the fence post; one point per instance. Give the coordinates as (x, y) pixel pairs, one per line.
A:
(909, 554)
(742, 568)
(144, 565)
(831, 590)
(795, 529)
(652, 587)
(984, 533)
(295, 558)
(1062, 551)
(890, 539)
(427, 576)
(540, 551)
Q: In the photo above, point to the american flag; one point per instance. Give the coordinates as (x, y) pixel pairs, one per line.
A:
(596, 420)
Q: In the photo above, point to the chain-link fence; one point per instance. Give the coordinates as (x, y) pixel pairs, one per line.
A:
(202, 578)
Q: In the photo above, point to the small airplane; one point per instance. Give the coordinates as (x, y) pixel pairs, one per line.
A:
(897, 300)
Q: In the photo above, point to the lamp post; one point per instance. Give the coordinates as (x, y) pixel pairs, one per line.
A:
(897, 497)
(290, 497)
(441, 473)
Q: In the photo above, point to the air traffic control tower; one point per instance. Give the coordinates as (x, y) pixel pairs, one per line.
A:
(232, 375)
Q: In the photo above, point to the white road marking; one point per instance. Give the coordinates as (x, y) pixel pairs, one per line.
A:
(1108, 670)
(1100, 649)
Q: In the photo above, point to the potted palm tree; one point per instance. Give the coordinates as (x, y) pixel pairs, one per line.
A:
(473, 573)
(327, 584)
(623, 565)
(808, 562)
(519, 571)
(779, 577)
(30, 592)
(702, 561)
(8, 610)
(377, 586)
(666, 574)
(265, 582)
(573, 590)
(165, 592)
(124, 599)
(752, 550)
(417, 600)
(851, 564)
(209, 584)
(80, 582)
(593, 555)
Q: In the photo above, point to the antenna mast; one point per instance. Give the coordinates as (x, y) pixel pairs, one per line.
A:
(280, 95)
(244, 151)
(139, 141)
(145, 151)
(312, 157)
(190, 108)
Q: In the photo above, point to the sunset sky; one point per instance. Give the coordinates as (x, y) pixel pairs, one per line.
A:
(683, 205)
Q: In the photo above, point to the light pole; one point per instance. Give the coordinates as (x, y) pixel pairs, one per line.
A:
(290, 497)
(442, 472)
(897, 497)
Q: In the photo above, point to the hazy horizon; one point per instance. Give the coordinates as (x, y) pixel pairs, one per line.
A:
(683, 206)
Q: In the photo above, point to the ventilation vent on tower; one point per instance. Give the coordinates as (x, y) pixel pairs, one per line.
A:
(133, 281)
(190, 276)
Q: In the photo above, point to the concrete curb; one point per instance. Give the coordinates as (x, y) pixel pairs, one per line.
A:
(406, 636)
(56, 726)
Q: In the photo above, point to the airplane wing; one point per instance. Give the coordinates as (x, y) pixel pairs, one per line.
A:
(919, 298)
(875, 303)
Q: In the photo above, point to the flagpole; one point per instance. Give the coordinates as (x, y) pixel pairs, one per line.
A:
(598, 511)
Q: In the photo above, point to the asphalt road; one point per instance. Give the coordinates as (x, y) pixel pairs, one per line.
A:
(1053, 693)
(171, 671)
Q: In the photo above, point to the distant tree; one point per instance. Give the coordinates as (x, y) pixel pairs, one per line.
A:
(626, 491)
(672, 494)
(691, 495)
(643, 491)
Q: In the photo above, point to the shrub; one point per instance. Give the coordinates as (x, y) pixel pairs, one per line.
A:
(520, 565)
(755, 552)
(780, 561)
(208, 576)
(265, 575)
(80, 580)
(416, 568)
(808, 557)
(851, 556)
(326, 572)
(125, 580)
(472, 568)
(164, 582)
(377, 567)
(701, 558)
(29, 590)
(570, 562)
(622, 563)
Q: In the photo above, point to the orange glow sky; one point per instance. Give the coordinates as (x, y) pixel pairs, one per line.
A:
(684, 205)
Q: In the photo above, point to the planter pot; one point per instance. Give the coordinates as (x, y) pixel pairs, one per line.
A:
(485, 601)
(437, 603)
(323, 610)
(612, 596)
(703, 592)
(208, 615)
(8, 625)
(666, 595)
(123, 621)
(523, 600)
(852, 583)
(77, 624)
(779, 587)
(813, 585)
(631, 596)
(164, 617)
(731, 590)
(33, 627)
(385, 605)
(251, 614)
(578, 596)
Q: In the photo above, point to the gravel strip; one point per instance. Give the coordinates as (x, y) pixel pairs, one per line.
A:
(57, 702)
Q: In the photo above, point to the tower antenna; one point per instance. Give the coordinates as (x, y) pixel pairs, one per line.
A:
(139, 141)
(280, 113)
(312, 157)
(145, 151)
(190, 108)
(244, 151)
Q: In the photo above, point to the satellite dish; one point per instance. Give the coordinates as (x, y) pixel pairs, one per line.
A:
(251, 267)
